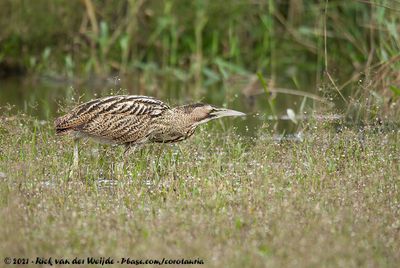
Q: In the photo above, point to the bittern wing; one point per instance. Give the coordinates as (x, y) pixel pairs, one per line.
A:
(117, 118)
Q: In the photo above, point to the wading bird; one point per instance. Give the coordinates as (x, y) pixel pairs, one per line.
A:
(135, 120)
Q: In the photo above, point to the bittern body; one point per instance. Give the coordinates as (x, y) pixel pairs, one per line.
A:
(135, 120)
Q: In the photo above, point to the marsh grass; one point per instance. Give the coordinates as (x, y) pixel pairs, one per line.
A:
(294, 43)
(331, 200)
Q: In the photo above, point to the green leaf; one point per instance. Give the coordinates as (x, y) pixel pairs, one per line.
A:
(124, 42)
(395, 90)
(263, 83)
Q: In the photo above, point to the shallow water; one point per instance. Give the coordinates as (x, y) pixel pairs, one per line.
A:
(43, 98)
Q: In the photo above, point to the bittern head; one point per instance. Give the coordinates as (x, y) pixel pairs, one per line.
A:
(202, 113)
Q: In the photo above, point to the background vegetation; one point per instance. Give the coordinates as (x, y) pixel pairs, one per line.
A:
(298, 44)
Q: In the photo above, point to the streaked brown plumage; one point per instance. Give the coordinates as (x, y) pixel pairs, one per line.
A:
(135, 120)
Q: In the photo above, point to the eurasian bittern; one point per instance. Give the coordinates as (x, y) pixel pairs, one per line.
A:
(135, 120)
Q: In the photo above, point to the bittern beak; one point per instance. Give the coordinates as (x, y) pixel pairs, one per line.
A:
(222, 112)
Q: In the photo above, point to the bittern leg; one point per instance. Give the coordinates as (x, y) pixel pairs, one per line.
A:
(76, 153)
(129, 150)
(118, 169)
(75, 164)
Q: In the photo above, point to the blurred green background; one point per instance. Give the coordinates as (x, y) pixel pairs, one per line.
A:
(263, 57)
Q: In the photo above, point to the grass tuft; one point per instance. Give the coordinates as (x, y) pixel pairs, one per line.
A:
(330, 200)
